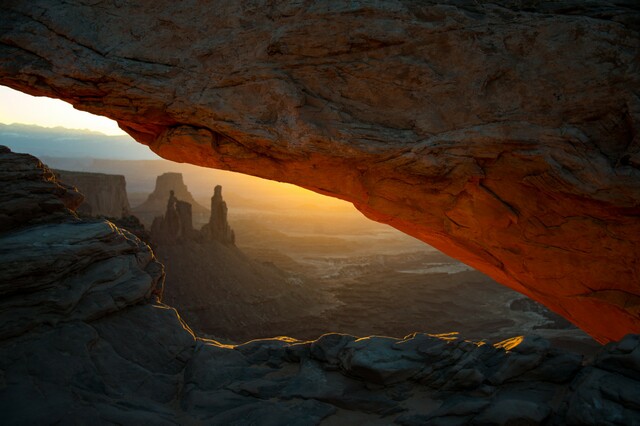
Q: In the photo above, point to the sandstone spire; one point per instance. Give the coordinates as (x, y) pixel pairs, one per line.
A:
(156, 203)
(218, 228)
(176, 224)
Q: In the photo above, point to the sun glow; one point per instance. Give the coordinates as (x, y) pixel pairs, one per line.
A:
(18, 107)
(510, 344)
(21, 108)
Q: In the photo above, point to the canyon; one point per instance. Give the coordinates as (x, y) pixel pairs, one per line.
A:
(292, 280)
(85, 338)
(505, 134)
(219, 290)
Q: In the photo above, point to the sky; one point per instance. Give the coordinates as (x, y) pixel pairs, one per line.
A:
(18, 107)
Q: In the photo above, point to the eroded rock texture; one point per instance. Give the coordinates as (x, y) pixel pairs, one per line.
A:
(84, 339)
(218, 228)
(176, 224)
(503, 133)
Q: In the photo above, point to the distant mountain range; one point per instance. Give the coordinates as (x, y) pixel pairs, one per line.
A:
(69, 143)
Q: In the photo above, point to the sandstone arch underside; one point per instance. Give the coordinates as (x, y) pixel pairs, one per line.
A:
(503, 135)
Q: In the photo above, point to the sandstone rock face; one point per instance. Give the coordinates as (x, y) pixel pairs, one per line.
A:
(218, 228)
(30, 194)
(83, 339)
(504, 134)
(104, 195)
(176, 224)
(57, 268)
(156, 203)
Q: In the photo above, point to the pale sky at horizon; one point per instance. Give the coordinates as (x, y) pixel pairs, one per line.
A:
(18, 107)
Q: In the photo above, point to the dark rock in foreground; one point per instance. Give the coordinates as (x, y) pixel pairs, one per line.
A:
(84, 339)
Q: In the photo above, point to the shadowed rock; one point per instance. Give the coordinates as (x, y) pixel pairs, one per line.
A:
(218, 228)
(176, 224)
(30, 194)
(104, 195)
(156, 203)
(220, 290)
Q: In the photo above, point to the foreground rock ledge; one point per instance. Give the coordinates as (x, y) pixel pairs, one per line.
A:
(506, 136)
(84, 339)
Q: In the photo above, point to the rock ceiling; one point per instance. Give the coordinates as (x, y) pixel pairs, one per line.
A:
(506, 137)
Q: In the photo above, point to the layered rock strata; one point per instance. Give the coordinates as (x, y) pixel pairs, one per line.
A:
(30, 194)
(502, 133)
(84, 339)
(104, 195)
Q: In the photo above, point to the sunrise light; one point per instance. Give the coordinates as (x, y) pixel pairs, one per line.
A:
(18, 107)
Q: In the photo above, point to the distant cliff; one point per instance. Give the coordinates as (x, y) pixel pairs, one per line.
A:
(104, 195)
(156, 203)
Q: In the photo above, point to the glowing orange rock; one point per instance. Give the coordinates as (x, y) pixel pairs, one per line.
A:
(505, 137)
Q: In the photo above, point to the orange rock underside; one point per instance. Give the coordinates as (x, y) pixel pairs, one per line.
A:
(505, 138)
(579, 258)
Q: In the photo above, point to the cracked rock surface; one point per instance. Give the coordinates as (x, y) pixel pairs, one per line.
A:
(85, 339)
(503, 133)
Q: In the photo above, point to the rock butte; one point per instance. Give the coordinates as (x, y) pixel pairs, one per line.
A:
(503, 134)
(156, 203)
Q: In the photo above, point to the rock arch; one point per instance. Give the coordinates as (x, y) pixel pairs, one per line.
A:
(504, 134)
